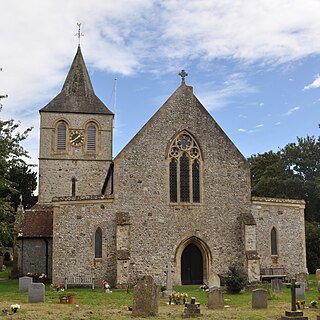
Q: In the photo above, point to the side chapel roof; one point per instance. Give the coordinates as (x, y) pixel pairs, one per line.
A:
(37, 223)
(77, 94)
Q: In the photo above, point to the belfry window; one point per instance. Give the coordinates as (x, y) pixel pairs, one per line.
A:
(184, 169)
(91, 138)
(61, 136)
(274, 246)
(98, 244)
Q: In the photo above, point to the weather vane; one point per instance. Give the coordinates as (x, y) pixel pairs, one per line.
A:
(183, 74)
(79, 34)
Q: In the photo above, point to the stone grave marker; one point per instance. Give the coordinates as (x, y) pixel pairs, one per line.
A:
(276, 285)
(192, 309)
(300, 291)
(169, 282)
(145, 298)
(215, 298)
(36, 292)
(318, 274)
(24, 283)
(259, 299)
(214, 281)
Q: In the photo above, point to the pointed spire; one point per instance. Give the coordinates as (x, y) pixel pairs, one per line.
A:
(78, 82)
(77, 94)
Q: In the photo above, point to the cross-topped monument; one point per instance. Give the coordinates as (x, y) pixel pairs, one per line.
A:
(79, 34)
(294, 314)
(183, 74)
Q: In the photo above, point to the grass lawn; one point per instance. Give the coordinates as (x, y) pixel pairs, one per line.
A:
(99, 305)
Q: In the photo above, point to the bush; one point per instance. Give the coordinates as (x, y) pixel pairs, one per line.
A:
(236, 279)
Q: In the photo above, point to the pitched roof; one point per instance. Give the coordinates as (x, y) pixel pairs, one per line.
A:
(37, 223)
(77, 94)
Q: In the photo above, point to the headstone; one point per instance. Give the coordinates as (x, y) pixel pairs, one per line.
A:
(318, 274)
(24, 283)
(276, 285)
(169, 279)
(300, 291)
(214, 280)
(36, 292)
(192, 309)
(259, 299)
(145, 298)
(215, 298)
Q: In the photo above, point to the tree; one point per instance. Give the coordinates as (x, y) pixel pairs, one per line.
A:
(15, 175)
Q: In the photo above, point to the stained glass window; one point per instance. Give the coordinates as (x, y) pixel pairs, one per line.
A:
(274, 248)
(98, 243)
(184, 169)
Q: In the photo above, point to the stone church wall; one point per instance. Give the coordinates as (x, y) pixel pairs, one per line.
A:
(287, 217)
(55, 168)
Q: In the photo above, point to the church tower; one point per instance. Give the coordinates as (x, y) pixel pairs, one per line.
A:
(75, 139)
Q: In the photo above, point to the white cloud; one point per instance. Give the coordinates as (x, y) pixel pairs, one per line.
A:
(242, 130)
(315, 84)
(277, 123)
(291, 111)
(243, 116)
(259, 125)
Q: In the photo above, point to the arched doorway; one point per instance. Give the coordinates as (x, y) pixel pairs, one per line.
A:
(191, 265)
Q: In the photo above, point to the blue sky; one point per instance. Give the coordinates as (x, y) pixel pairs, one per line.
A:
(254, 65)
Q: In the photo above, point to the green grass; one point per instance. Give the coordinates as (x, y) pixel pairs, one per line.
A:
(98, 305)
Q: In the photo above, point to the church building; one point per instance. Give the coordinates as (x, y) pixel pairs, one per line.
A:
(175, 202)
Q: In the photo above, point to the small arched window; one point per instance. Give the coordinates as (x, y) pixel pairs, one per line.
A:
(184, 169)
(91, 138)
(73, 186)
(274, 245)
(98, 244)
(61, 136)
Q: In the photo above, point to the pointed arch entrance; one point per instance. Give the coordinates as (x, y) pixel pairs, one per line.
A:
(193, 262)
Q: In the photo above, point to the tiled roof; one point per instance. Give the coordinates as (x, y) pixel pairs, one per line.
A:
(36, 223)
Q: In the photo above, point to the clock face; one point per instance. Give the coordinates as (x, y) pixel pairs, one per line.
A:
(76, 138)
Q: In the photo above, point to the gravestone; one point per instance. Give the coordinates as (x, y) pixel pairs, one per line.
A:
(259, 299)
(169, 279)
(24, 283)
(215, 298)
(293, 314)
(318, 274)
(36, 292)
(276, 285)
(300, 291)
(145, 298)
(214, 281)
(192, 309)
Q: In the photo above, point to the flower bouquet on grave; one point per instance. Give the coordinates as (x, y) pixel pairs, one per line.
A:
(15, 307)
(106, 286)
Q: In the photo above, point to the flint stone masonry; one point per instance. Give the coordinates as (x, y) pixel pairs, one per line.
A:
(145, 298)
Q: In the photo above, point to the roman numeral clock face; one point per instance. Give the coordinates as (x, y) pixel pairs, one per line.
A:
(76, 138)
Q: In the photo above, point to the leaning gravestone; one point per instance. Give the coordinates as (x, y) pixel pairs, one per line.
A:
(259, 299)
(276, 285)
(24, 283)
(36, 292)
(214, 280)
(215, 298)
(145, 298)
(300, 291)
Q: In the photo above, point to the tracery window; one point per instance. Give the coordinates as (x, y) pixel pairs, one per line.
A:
(61, 136)
(274, 246)
(98, 244)
(184, 169)
(91, 138)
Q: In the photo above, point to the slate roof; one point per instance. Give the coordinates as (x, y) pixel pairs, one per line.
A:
(37, 223)
(77, 94)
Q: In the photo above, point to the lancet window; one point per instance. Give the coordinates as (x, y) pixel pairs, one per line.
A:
(61, 136)
(184, 169)
(274, 245)
(98, 244)
(91, 138)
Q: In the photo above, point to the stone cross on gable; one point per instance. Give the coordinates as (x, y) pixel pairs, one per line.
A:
(183, 74)
(293, 287)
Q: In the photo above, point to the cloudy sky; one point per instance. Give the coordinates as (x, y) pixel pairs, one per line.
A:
(255, 65)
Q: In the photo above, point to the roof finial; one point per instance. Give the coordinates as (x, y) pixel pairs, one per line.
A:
(79, 34)
(183, 74)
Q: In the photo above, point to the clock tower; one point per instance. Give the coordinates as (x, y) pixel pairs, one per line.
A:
(75, 139)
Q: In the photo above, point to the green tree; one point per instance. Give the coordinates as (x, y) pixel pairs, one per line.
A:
(13, 170)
